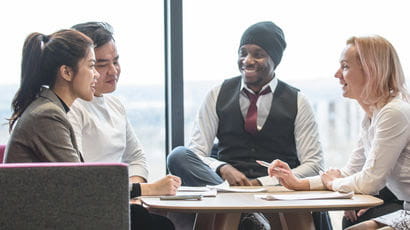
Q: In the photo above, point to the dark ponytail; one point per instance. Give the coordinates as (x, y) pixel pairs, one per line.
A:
(42, 57)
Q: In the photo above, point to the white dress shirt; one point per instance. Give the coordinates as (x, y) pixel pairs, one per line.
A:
(104, 134)
(382, 156)
(306, 134)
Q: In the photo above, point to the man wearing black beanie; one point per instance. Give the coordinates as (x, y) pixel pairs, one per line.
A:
(269, 37)
(254, 116)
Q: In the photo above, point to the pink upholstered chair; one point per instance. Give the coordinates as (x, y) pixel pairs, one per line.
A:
(2, 149)
(64, 196)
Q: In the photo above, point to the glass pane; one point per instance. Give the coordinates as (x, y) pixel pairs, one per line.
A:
(138, 29)
(315, 31)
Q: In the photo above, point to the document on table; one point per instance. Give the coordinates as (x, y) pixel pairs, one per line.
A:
(211, 190)
(193, 189)
(224, 187)
(306, 196)
(203, 191)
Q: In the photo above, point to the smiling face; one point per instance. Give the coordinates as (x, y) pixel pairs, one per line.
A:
(256, 66)
(350, 74)
(108, 67)
(84, 81)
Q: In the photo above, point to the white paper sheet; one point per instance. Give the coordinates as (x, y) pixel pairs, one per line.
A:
(193, 189)
(203, 191)
(224, 187)
(306, 196)
(210, 193)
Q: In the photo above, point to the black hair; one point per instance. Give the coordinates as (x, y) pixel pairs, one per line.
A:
(100, 32)
(43, 55)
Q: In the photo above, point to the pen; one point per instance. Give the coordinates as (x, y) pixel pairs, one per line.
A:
(181, 197)
(263, 163)
(266, 164)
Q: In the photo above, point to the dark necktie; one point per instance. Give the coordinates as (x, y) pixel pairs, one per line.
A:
(252, 115)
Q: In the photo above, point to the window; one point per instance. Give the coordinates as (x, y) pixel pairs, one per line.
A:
(315, 31)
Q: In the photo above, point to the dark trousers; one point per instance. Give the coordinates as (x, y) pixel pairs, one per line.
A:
(141, 219)
(391, 204)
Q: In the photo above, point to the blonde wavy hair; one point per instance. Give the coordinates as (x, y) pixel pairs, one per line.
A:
(382, 68)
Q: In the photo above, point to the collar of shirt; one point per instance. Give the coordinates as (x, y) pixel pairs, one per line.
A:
(65, 106)
(273, 83)
(99, 100)
(263, 103)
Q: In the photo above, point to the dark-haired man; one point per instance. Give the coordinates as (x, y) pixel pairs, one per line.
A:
(104, 133)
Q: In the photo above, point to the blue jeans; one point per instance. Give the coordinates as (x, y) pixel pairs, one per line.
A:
(193, 171)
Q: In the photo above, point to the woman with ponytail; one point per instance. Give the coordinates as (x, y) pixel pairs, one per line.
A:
(55, 70)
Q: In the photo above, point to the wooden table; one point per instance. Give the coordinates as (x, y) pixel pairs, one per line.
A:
(234, 204)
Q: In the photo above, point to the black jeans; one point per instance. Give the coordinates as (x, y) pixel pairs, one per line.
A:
(322, 221)
(141, 219)
(391, 204)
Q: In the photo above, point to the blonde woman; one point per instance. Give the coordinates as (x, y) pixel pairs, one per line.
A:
(370, 72)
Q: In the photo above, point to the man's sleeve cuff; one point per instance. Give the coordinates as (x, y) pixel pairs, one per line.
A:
(134, 170)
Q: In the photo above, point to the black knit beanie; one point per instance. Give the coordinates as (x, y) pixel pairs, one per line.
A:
(268, 36)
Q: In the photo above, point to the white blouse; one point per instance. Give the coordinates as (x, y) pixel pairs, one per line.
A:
(382, 156)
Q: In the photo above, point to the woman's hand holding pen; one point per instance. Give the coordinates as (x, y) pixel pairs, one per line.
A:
(282, 171)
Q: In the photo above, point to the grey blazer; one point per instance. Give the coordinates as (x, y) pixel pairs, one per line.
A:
(43, 133)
